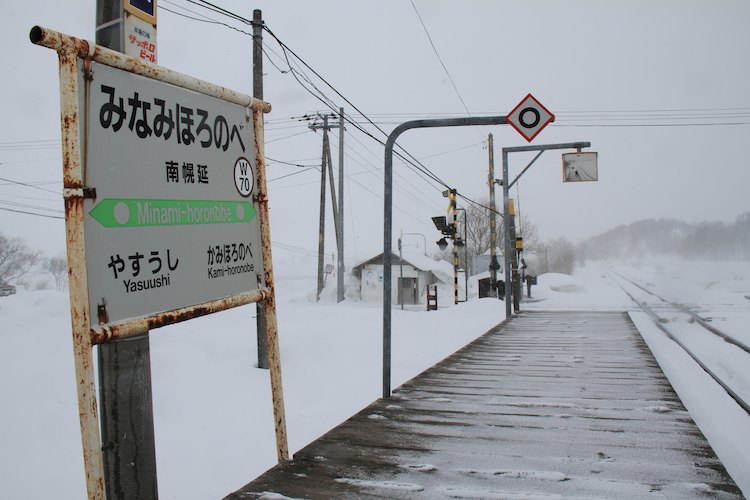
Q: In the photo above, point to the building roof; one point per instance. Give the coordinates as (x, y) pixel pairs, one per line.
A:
(440, 268)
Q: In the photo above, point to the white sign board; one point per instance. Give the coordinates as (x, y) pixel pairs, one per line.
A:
(580, 167)
(140, 38)
(174, 221)
(529, 117)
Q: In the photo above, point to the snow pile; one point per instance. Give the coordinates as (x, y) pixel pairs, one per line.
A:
(212, 406)
(213, 418)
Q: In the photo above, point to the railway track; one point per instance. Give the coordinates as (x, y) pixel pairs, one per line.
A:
(718, 353)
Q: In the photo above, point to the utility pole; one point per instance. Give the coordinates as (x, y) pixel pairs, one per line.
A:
(125, 396)
(452, 195)
(494, 265)
(260, 308)
(322, 221)
(338, 207)
(466, 256)
(340, 223)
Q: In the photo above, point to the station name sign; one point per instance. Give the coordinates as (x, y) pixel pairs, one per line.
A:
(174, 223)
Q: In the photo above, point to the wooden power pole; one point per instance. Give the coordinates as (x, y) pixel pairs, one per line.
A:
(338, 206)
(494, 265)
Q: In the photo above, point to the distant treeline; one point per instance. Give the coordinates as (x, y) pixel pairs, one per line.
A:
(699, 241)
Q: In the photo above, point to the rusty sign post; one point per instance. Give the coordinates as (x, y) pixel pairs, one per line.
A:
(166, 210)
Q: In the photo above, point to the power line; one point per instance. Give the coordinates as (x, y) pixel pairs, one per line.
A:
(377, 171)
(413, 162)
(39, 183)
(286, 137)
(560, 115)
(299, 73)
(434, 49)
(204, 20)
(208, 5)
(32, 207)
(462, 148)
(418, 165)
(595, 125)
(29, 185)
(290, 163)
(31, 213)
(445, 68)
(293, 173)
(27, 161)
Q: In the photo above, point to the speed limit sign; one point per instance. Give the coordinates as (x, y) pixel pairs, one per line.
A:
(529, 117)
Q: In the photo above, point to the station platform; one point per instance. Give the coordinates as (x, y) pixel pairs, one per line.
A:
(545, 405)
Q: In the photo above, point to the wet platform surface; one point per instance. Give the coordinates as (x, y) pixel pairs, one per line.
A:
(546, 405)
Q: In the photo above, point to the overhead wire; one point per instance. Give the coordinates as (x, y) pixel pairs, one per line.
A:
(379, 175)
(32, 213)
(32, 207)
(286, 50)
(291, 163)
(440, 59)
(293, 173)
(286, 137)
(414, 163)
(560, 116)
(29, 185)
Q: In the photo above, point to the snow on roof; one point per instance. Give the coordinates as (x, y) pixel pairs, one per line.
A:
(441, 269)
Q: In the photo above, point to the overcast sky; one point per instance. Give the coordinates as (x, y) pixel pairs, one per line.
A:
(660, 88)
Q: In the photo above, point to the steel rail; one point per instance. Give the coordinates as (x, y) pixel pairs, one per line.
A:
(692, 314)
(658, 321)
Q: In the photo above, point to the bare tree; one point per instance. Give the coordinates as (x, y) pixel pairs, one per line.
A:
(559, 256)
(530, 234)
(478, 233)
(58, 268)
(16, 258)
(478, 228)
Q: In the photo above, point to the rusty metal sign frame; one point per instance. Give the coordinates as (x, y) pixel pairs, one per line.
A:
(86, 335)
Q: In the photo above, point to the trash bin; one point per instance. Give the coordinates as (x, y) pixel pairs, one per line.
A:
(500, 286)
(485, 288)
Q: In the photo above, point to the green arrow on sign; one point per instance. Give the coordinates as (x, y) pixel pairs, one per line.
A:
(117, 212)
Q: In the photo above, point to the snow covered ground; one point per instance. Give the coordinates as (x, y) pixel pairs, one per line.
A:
(213, 418)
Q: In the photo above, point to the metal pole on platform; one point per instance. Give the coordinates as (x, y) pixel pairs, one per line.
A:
(507, 184)
(388, 220)
(454, 225)
(493, 221)
(506, 236)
